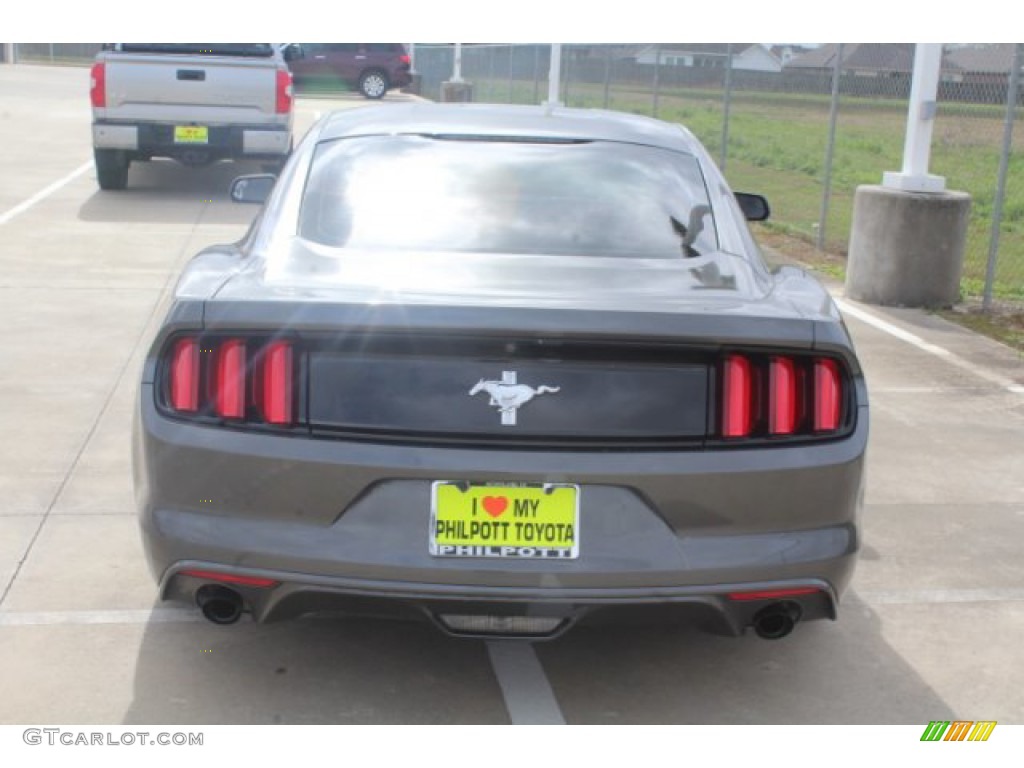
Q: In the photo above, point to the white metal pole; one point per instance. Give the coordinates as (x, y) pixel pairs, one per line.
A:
(457, 74)
(412, 58)
(554, 75)
(917, 146)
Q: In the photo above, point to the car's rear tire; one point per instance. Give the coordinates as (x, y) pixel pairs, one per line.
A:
(373, 83)
(111, 168)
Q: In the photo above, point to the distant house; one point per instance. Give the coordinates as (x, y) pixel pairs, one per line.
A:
(786, 53)
(752, 57)
(859, 59)
(979, 64)
(615, 52)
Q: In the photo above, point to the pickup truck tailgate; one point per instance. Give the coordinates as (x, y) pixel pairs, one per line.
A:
(209, 89)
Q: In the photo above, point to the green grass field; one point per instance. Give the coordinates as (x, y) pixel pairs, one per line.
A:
(777, 146)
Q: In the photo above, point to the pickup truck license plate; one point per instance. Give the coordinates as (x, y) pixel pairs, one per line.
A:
(511, 521)
(191, 134)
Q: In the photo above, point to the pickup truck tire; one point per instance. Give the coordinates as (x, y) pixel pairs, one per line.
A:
(373, 83)
(111, 168)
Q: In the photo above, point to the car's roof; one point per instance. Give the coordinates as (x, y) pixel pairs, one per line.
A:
(515, 121)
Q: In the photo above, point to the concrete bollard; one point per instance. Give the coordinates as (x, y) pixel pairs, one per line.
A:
(453, 90)
(907, 248)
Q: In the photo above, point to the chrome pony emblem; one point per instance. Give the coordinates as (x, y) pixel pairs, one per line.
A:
(507, 395)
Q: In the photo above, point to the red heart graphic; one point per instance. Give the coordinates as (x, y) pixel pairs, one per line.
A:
(495, 505)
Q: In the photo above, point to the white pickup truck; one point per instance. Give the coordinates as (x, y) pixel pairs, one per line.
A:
(194, 102)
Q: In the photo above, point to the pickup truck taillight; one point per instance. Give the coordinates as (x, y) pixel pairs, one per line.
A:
(284, 92)
(98, 84)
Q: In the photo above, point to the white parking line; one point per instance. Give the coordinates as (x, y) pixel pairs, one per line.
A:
(876, 322)
(528, 695)
(78, 618)
(925, 596)
(44, 193)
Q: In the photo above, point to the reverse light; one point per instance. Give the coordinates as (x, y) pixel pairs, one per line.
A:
(98, 84)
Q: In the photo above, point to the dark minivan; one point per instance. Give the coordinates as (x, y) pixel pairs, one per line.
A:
(372, 68)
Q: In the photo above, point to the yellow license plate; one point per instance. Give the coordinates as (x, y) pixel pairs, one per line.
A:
(518, 521)
(191, 134)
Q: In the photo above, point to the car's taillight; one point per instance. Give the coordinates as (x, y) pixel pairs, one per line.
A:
(780, 396)
(244, 380)
(405, 58)
(737, 397)
(229, 380)
(98, 84)
(185, 376)
(285, 92)
(827, 396)
(276, 372)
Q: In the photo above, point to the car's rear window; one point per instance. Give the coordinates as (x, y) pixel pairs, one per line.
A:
(507, 196)
(202, 49)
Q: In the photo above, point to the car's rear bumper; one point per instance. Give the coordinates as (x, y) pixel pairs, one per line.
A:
(400, 78)
(477, 610)
(157, 140)
(345, 525)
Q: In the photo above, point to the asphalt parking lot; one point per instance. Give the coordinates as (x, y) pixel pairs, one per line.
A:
(929, 631)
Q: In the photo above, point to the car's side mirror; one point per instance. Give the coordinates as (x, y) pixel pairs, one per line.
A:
(293, 51)
(754, 207)
(255, 188)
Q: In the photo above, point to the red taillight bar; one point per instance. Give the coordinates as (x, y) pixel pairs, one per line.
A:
(277, 374)
(230, 578)
(229, 384)
(236, 379)
(737, 405)
(772, 594)
(185, 376)
(827, 396)
(285, 92)
(782, 396)
(98, 84)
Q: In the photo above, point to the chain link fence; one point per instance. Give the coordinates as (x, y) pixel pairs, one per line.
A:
(55, 53)
(780, 122)
(790, 135)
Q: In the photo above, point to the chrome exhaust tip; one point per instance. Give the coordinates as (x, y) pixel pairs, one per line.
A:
(219, 605)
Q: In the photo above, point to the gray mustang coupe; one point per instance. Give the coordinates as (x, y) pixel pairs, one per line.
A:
(509, 369)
